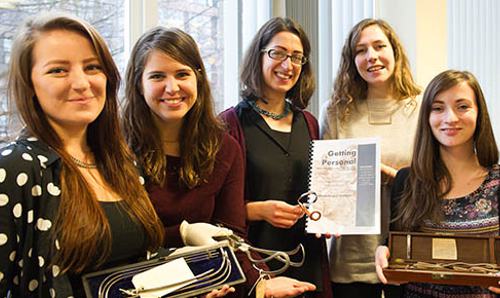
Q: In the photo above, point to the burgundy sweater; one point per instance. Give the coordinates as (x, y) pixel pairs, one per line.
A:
(218, 201)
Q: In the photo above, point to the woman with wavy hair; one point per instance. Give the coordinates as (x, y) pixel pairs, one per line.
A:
(374, 95)
(453, 183)
(194, 168)
(71, 198)
(274, 132)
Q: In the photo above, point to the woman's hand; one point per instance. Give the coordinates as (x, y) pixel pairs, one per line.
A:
(388, 170)
(381, 261)
(220, 292)
(284, 287)
(495, 289)
(277, 213)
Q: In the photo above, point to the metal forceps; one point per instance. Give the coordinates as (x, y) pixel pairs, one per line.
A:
(305, 200)
(238, 243)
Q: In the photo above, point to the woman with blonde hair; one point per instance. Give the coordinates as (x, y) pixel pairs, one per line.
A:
(374, 95)
(71, 198)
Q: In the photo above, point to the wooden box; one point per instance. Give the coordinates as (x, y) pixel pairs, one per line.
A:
(444, 259)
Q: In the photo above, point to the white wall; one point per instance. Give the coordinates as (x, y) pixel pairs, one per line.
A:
(443, 34)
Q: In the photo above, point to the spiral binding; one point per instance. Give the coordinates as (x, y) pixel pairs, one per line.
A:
(309, 175)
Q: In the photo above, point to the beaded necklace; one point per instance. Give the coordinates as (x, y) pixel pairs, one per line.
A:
(81, 164)
(272, 115)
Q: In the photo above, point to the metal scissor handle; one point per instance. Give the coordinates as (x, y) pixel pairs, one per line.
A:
(267, 255)
(312, 197)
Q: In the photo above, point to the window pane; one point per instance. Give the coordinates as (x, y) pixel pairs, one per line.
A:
(203, 20)
(106, 15)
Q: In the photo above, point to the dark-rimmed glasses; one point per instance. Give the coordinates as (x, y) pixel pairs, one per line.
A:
(281, 55)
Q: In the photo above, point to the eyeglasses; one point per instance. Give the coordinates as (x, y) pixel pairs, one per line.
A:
(280, 55)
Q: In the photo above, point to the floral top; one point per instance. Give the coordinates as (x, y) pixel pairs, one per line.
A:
(475, 213)
(29, 201)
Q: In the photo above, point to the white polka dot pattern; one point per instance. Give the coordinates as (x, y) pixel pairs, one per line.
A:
(33, 285)
(41, 261)
(36, 191)
(17, 210)
(42, 160)
(53, 189)
(3, 174)
(15, 280)
(6, 152)
(55, 270)
(21, 179)
(43, 224)
(27, 156)
(29, 252)
(29, 218)
(12, 256)
(4, 200)
(52, 293)
(1, 275)
(32, 139)
(141, 180)
(3, 239)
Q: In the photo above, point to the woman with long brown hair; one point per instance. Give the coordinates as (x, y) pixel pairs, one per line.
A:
(194, 168)
(71, 198)
(453, 183)
(374, 95)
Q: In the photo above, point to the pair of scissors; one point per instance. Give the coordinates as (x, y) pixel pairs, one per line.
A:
(307, 199)
(285, 257)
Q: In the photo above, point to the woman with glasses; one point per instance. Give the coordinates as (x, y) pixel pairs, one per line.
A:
(374, 95)
(274, 132)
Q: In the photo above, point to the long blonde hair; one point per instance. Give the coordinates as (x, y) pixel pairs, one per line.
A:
(349, 86)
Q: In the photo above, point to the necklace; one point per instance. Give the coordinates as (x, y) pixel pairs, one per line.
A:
(380, 113)
(272, 115)
(81, 164)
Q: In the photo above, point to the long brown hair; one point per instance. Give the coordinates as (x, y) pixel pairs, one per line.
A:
(251, 78)
(201, 130)
(349, 86)
(81, 226)
(424, 190)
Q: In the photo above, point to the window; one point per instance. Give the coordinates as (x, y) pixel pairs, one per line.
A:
(106, 15)
(203, 20)
(212, 23)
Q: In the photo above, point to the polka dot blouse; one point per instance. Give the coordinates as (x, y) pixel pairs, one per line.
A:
(29, 200)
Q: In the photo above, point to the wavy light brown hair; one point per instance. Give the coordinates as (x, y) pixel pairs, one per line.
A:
(349, 86)
(201, 130)
(81, 226)
(424, 189)
(251, 78)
